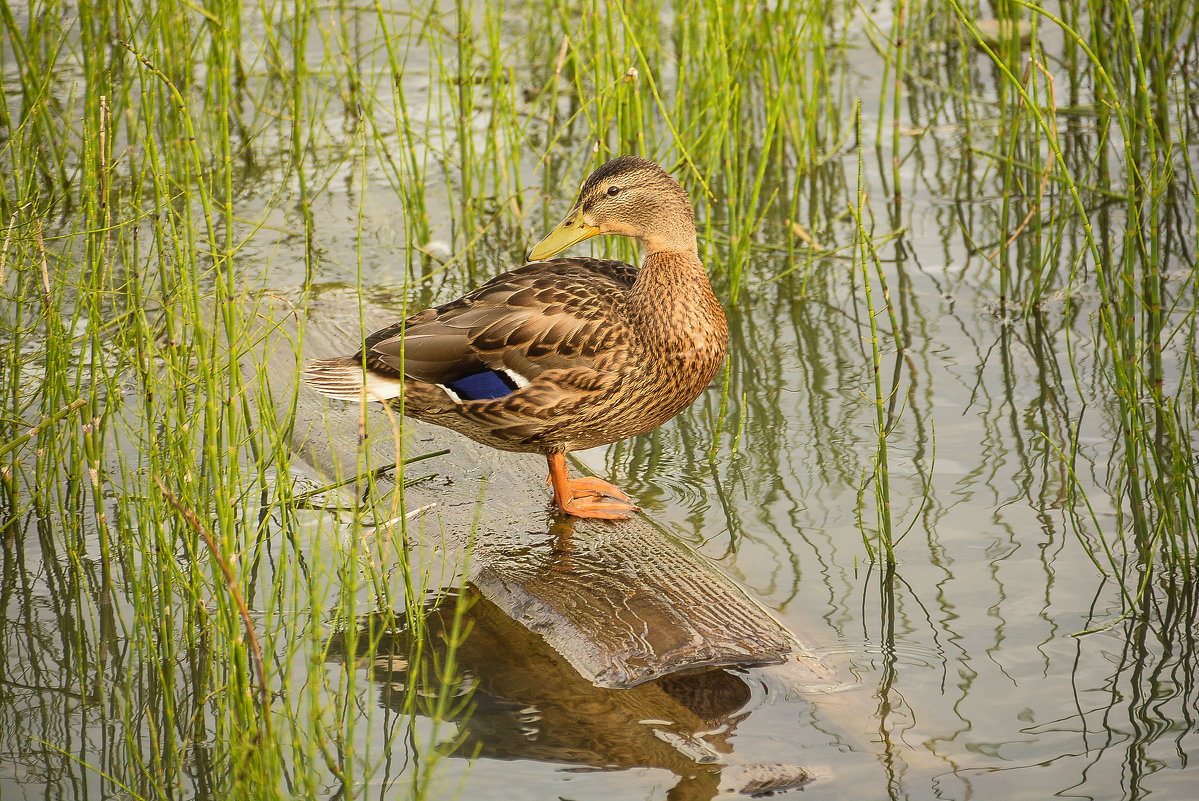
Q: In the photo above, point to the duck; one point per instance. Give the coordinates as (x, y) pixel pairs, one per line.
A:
(561, 354)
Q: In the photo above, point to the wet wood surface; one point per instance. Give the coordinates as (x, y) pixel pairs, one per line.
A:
(622, 602)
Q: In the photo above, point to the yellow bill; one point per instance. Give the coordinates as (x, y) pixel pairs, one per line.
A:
(568, 232)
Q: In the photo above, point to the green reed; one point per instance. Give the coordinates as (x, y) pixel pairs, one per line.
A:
(151, 465)
(880, 473)
(1136, 167)
(886, 398)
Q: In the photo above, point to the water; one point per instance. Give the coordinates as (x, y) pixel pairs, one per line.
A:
(969, 679)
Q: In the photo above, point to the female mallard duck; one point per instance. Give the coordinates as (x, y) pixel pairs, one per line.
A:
(561, 354)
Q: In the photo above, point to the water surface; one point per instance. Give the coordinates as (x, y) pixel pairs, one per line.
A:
(970, 679)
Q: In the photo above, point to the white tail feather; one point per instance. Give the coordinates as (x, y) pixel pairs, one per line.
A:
(345, 379)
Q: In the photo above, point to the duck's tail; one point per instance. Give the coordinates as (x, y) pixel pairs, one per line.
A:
(343, 378)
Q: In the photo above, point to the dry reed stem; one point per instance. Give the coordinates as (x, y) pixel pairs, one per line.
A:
(231, 583)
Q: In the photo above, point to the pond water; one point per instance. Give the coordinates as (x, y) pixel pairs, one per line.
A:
(971, 676)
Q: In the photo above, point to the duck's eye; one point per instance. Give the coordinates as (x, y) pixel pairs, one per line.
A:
(613, 191)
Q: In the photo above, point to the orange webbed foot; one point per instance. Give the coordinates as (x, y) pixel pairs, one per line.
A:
(588, 496)
(591, 506)
(591, 486)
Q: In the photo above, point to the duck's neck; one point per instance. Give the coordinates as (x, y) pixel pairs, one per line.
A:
(672, 301)
(679, 239)
(669, 274)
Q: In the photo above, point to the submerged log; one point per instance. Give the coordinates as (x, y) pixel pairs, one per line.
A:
(622, 602)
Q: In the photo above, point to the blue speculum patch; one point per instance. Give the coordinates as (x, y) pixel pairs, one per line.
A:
(483, 386)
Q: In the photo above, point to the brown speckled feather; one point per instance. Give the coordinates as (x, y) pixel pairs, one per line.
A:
(561, 314)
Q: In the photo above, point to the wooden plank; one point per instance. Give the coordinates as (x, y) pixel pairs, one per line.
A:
(624, 603)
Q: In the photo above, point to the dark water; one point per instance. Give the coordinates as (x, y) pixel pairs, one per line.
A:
(970, 682)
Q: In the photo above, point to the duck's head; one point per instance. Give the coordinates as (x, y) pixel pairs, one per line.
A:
(628, 196)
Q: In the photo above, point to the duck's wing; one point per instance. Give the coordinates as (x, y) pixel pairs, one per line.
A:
(562, 315)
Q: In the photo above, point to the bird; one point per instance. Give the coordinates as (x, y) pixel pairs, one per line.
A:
(561, 354)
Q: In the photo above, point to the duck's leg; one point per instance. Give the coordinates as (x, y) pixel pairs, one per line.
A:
(586, 497)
